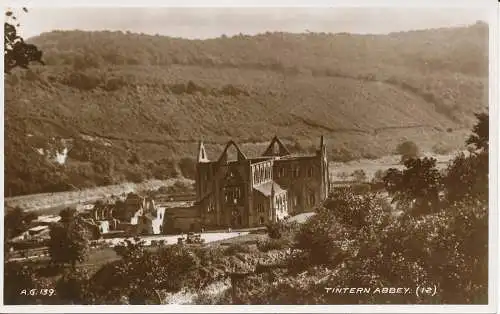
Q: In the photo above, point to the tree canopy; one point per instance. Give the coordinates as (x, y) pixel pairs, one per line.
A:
(17, 53)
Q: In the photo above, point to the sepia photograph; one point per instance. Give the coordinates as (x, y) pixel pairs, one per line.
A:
(279, 156)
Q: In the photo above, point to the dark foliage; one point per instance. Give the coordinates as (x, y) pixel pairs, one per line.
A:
(16, 221)
(358, 241)
(141, 273)
(188, 167)
(480, 133)
(73, 286)
(467, 176)
(237, 248)
(407, 150)
(24, 285)
(273, 244)
(417, 187)
(17, 53)
(69, 239)
(274, 230)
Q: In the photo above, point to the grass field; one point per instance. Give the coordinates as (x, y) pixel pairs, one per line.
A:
(339, 170)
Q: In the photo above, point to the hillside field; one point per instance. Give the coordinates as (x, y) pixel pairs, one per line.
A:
(113, 107)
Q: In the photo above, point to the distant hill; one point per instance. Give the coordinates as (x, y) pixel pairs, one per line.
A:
(111, 106)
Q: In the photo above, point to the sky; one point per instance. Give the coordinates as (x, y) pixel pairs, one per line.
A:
(213, 22)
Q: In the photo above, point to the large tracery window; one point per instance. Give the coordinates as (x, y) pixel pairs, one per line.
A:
(283, 172)
(297, 171)
(312, 199)
(310, 172)
(211, 206)
(232, 195)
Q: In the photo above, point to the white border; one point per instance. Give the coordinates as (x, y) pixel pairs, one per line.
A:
(493, 21)
(259, 3)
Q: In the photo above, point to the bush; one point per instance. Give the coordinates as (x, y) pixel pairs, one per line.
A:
(282, 229)
(407, 150)
(135, 175)
(141, 272)
(237, 248)
(272, 244)
(318, 239)
(73, 286)
(441, 149)
(114, 84)
(417, 187)
(344, 215)
(188, 167)
(377, 182)
(82, 81)
(467, 177)
(274, 230)
(359, 175)
(69, 239)
(22, 277)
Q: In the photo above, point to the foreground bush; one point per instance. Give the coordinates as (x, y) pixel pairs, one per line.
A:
(237, 248)
(272, 244)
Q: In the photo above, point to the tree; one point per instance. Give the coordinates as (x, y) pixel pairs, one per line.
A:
(319, 242)
(480, 133)
(417, 187)
(188, 167)
(359, 175)
(443, 243)
(377, 181)
(69, 239)
(17, 53)
(73, 286)
(467, 176)
(448, 249)
(17, 221)
(141, 273)
(407, 150)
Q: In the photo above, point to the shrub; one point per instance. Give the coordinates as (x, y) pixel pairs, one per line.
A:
(69, 239)
(407, 150)
(467, 177)
(73, 286)
(236, 248)
(344, 215)
(272, 244)
(82, 81)
(17, 221)
(22, 277)
(274, 230)
(282, 229)
(139, 275)
(318, 239)
(441, 149)
(114, 84)
(479, 138)
(188, 167)
(359, 175)
(343, 175)
(378, 179)
(417, 187)
(135, 175)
